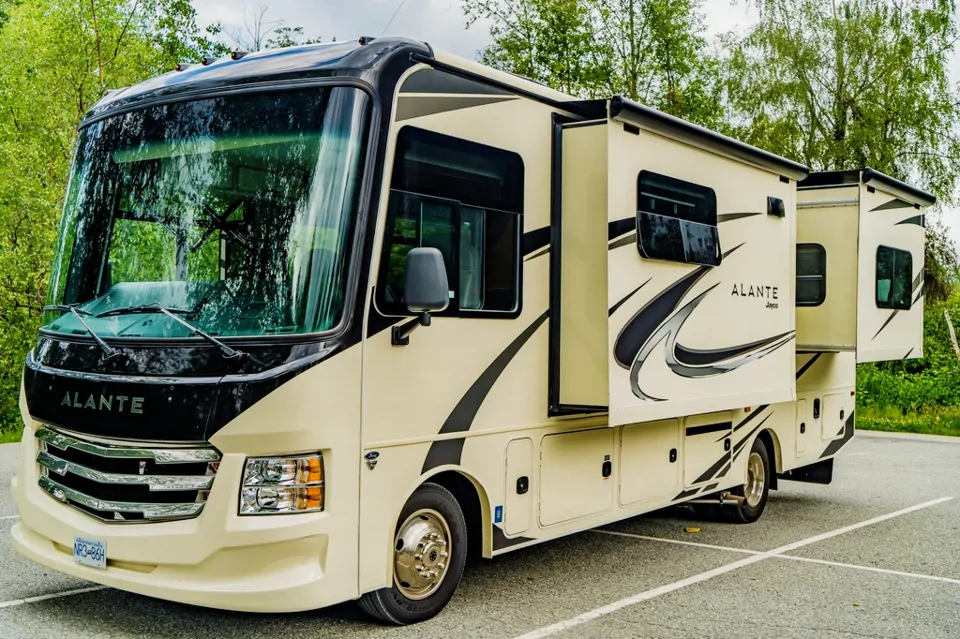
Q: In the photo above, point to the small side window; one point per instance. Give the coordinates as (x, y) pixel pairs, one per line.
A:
(894, 278)
(811, 275)
(676, 220)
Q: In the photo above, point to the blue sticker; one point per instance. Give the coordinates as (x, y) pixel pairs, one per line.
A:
(498, 514)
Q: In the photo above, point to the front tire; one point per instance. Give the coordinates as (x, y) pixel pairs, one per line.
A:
(430, 550)
(756, 489)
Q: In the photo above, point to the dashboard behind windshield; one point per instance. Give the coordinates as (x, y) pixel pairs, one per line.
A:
(239, 210)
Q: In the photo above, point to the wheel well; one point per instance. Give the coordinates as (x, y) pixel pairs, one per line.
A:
(769, 440)
(466, 495)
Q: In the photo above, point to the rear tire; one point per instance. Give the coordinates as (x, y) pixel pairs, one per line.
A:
(756, 490)
(430, 552)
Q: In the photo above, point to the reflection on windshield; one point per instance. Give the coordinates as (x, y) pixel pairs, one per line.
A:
(239, 209)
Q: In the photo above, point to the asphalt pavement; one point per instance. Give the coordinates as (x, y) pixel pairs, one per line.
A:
(875, 554)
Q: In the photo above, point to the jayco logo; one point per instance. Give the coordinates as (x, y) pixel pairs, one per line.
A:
(768, 293)
(105, 402)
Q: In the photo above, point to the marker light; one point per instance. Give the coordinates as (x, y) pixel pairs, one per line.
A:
(280, 485)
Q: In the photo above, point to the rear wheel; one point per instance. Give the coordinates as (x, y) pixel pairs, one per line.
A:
(430, 549)
(756, 489)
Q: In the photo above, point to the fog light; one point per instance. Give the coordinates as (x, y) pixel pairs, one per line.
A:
(282, 485)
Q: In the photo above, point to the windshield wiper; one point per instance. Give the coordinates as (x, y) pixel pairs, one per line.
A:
(143, 309)
(110, 352)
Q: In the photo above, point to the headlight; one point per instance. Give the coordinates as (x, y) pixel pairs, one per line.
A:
(282, 485)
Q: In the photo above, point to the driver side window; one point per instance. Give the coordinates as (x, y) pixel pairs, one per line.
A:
(466, 200)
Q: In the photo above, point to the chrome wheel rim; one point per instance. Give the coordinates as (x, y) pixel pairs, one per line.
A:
(422, 552)
(756, 479)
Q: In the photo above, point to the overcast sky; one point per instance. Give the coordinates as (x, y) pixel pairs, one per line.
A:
(439, 22)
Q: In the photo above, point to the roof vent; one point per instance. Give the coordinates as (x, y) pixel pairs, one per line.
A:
(183, 66)
(207, 61)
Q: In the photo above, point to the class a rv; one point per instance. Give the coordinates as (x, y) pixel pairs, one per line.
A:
(324, 320)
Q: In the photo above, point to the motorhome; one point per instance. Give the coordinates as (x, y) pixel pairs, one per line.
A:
(324, 320)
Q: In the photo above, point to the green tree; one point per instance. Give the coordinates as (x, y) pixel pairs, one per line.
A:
(651, 51)
(64, 54)
(259, 33)
(841, 84)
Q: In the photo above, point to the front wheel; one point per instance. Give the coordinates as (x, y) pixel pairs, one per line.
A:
(430, 550)
(756, 489)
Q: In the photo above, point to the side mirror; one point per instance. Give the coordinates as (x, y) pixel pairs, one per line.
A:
(425, 289)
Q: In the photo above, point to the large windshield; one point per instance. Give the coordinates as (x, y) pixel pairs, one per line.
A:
(237, 211)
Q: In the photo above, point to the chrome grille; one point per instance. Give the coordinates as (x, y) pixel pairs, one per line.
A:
(126, 484)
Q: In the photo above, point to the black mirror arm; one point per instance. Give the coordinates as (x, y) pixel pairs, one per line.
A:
(401, 334)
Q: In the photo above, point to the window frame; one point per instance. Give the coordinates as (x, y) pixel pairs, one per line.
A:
(822, 277)
(876, 278)
(406, 136)
(711, 200)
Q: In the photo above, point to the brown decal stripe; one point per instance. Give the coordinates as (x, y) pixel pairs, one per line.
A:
(810, 362)
(895, 203)
(916, 219)
(837, 444)
(500, 541)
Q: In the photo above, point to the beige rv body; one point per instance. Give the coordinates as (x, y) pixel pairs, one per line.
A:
(468, 397)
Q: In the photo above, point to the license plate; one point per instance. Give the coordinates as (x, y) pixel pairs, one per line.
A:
(90, 552)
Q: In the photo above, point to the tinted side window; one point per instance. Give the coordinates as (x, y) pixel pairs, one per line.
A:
(894, 278)
(811, 275)
(676, 220)
(464, 199)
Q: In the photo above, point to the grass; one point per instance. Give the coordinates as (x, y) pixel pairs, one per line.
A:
(930, 421)
(9, 436)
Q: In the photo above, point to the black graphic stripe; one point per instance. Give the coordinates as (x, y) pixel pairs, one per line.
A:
(710, 487)
(463, 414)
(806, 367)
(618, 227)
(887, 323)
(916, 219)
(748, 419)
(641, 326)
(729, 217)
(417, 107)
(434, 81)
(908, 354)
(536, 255)
(918, 281)
(919, 295)
(535, 240)
(708, 428)
(739, 447)
(685, 494)
(500, 541)
(895, 203)
(837, 444)
(711, 472)
(723, 471)
(708, 357)
(629, 295)
(623, 241)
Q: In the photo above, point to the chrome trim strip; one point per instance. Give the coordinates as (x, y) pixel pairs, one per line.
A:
(155, 482)
(149, 511)
(160, 455)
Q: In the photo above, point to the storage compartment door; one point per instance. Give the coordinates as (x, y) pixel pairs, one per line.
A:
(706, 448)
(649, 462)
(890, 296)
(803, 427)
(575, 475)
(518, 500)
(836, 409)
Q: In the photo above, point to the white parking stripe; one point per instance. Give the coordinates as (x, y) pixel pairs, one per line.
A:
(679, 542)
(884, 571)
(53, 595)
(596, 613)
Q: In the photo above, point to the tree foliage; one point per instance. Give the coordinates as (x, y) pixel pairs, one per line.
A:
(64, 54)
(853, 84)
(647, 50)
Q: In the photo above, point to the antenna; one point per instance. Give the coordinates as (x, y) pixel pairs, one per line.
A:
(399, 6)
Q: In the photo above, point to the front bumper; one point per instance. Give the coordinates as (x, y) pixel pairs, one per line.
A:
(277, 563)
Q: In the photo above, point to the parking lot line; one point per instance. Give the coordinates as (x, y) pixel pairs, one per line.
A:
(54, 595)
(677, 541)
(602, 611)
(884, 571)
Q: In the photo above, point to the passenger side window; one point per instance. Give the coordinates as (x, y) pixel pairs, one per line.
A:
(894, 278)
(466, 200)
(676, 220)
(811, 275)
